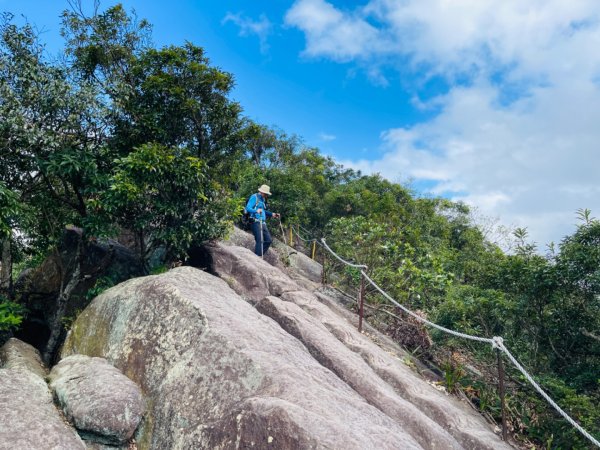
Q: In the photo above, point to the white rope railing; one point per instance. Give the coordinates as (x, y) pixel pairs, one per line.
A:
(300, 227)
(546, 396)
(305, 240)
(497, 342)
(431, 324)
(358, 266)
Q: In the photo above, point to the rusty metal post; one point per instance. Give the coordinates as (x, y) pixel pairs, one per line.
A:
(502, 394)
(324, 269)
(292, 237)
(361, 301)
(314, 249)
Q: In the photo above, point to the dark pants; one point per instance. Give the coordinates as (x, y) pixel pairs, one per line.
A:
(266, 238)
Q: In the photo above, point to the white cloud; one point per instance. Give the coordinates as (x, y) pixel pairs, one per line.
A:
(261, 27)
(451, 36)
(327, 137)
(529, 165)
(518, 136)
(333, 33)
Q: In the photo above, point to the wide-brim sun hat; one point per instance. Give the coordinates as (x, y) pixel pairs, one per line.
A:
(264, 189)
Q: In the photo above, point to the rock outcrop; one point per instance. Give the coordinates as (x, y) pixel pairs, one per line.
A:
(335, 342)
(220, 374)
(240, 238)
(239, 268)
(103, 404)
(295, 264)
(28, 416)
(289, 373)
(16, 354)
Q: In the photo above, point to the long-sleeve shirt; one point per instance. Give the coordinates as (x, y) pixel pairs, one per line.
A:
(256, 202)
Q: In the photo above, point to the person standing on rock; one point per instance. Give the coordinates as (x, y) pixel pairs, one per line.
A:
(257, 208)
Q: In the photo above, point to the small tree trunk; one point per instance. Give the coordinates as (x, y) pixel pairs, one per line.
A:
(64, 295)
(143, 252)
(56, 324)
(6, 268)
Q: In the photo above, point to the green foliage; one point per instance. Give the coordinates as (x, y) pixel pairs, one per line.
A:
(299, 178)
(472, 310)
(164, 196)
(103, 45)
(101, 285)
(11, 315)
(177, 99)
(159, 269)
(575, 318)
(9, 210)
(259, 140)
(541, 423)
(47, 157)
(368, 195)
(381, 244)
(453, 374)
(123, 135)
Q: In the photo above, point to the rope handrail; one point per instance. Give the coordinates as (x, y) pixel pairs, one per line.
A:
(421, 319)
(358, 266)
(300, 227)
(546, 396)
(301, 238)
(497, 342)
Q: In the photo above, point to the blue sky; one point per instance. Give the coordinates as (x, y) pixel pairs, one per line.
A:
(493, 103)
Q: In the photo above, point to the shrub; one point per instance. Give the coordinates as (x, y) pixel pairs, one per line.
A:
(11, 315)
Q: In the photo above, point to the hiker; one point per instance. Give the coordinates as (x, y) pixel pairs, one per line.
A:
(257, 207)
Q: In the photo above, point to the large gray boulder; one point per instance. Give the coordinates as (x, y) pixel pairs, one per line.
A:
(16, 354)
(339, 303)
(302, 269)
(218, 374)
(298, 263)
(241, 238)
(353, 370)
(248, 275)
(28, 418)
(382, 379)
(104, 405)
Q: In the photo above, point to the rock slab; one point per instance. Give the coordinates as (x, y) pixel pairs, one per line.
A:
(16, 354)
(28, 416)
(218, 374)
(432, 418)
(104, 405)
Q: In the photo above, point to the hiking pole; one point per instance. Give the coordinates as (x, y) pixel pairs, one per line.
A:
(262, 240)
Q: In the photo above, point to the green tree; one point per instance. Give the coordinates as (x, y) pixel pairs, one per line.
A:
(164, 196)
(50, 140)
(575, 321)
(171, 96)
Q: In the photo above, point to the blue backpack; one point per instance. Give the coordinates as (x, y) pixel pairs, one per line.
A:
(247, 220)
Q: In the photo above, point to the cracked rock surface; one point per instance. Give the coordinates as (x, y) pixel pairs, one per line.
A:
(104, 405)
(251, 358)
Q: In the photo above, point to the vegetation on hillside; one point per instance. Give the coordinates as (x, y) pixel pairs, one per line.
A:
(120, 134)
